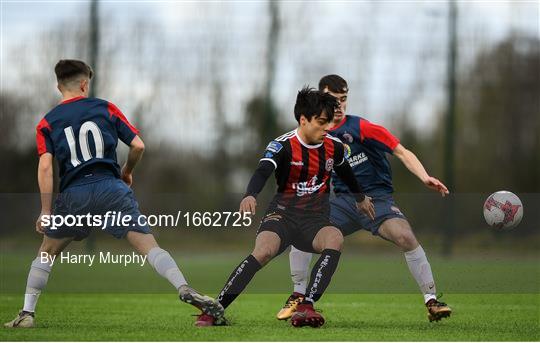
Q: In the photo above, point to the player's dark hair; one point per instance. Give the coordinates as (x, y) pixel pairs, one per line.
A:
(335, 84)
(312, 103)
(69, 70)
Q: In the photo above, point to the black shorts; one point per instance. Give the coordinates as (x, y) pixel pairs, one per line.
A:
(294, 227)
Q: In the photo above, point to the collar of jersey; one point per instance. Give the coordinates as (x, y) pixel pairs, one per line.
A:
(72, 99)
(305, 144)
(340, 123)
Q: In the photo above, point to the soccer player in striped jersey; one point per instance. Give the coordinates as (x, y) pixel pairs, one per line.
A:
(302, 161)
(82, 133)
(366, 147)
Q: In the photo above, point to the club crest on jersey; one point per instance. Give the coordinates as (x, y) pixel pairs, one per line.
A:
(329, 164)
(274, 147)
(348, 151)
(348, 137)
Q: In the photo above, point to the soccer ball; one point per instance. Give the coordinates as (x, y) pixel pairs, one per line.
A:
(503, 210)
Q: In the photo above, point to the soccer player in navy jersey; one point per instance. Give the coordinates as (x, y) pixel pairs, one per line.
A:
(82, 133)
(302, 161)
(366, 147)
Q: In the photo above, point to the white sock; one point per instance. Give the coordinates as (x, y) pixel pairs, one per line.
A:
(164, 264)
(36, 282)
(421, 271)
(299, 262)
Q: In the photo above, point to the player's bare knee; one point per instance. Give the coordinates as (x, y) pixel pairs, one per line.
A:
(263, 255)
(406, 240)
(334, 240)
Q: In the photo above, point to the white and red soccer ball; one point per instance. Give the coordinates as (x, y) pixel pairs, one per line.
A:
(503, 210)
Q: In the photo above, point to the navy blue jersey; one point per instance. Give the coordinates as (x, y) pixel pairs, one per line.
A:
(366, 145)
(82, 133)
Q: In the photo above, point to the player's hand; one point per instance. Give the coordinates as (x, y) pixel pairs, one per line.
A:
(367, 207)
(40, 228)
(127, 177)
(248, 205)
(436, 185)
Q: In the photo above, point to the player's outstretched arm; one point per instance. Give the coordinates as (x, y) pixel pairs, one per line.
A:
(414, 165)
(45, 181)
(136, 150)
(255, 186)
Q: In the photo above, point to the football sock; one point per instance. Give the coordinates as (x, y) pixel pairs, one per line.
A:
(36, 282)
(299, 262)
(421, 271)
(164, 264)
(321, 274)
(238, 280)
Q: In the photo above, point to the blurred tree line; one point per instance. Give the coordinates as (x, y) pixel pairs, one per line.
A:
(498, 123)
(497, 137)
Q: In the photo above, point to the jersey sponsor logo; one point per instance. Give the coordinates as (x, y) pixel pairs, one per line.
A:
(357, 159)
(268, 154)
(347, 137)
(307, 187)
(274, 147)
(329, 164)
(297, 163)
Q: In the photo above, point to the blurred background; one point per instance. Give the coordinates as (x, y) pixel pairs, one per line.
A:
(210, 83)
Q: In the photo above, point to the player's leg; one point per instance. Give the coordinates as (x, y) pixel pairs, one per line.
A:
(299, 263)
(328, 242)
(400, 233)
(267, 245)
(164, 265)
(343, 213)
(37, 279)
(112, 195)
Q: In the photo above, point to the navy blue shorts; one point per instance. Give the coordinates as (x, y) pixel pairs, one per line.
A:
(97, 195)
(345, 215)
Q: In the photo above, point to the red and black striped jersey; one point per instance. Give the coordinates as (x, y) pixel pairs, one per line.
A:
(303, 171)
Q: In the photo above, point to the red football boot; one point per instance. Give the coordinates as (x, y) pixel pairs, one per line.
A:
(306, 315)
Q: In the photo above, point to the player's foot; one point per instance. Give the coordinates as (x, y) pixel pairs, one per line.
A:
(206, 304)
(306, 315)
(204, 319)
(290, 306)
(437, 310)
(23, 320)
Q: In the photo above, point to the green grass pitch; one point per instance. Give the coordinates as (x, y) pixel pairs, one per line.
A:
(371, 298)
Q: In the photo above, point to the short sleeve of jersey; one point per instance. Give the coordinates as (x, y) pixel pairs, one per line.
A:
(43, 138)
(126, 131)
(378, 136)
(274, 153)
